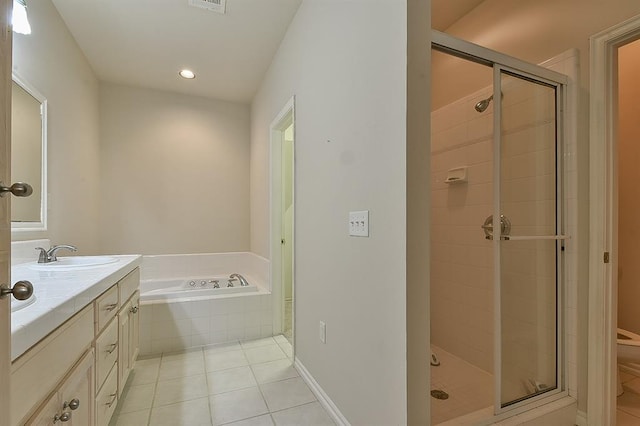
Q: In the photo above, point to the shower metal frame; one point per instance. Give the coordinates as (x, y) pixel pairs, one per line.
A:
(501, 63)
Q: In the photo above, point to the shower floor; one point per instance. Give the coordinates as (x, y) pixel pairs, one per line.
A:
(470, 390)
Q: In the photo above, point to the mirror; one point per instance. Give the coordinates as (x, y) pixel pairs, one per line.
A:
(28, 156)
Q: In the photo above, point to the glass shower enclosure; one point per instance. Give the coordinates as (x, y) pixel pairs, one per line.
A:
(526, 227)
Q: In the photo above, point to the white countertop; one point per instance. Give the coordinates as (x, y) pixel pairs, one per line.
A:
(59, 296)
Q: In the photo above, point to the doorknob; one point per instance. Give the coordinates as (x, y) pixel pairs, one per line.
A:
(19, 189)
(21, 290)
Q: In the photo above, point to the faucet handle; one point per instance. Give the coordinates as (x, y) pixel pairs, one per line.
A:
(44, 256)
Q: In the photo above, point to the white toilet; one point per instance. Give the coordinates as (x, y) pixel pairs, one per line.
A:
(628, 351)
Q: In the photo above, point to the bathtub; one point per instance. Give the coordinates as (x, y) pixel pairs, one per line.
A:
(180, 307)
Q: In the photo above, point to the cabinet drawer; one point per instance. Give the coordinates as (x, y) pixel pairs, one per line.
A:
(128, 285)
(106, 308)
(107, 398)
(106, 352)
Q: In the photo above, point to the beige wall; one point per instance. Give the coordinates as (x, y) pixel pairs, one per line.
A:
(345, 63)
(418, 247)
(174, 173)
(50, 60)
(628, 188)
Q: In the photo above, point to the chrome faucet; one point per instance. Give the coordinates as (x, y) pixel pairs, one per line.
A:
(48, 256)
(243, 281)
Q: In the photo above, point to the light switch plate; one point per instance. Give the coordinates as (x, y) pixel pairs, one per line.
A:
(359, 223)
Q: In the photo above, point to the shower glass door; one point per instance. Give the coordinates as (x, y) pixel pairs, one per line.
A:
(527, 254)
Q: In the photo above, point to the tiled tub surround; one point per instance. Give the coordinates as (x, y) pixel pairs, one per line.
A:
(59, 295)
(192, 321)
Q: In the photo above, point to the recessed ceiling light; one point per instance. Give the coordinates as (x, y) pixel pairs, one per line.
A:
(187, 74)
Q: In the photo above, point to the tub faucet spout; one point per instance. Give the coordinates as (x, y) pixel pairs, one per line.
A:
(243, 281)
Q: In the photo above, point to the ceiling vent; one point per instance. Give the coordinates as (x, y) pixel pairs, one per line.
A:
(212, 5)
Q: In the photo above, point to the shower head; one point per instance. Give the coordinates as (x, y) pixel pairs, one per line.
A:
(483, 104)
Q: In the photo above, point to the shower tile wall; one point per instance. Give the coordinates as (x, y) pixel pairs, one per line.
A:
(461, 258)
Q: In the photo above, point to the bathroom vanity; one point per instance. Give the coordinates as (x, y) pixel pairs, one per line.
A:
(74, 347)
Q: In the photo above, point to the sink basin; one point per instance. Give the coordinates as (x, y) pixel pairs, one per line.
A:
(17, 305)
(73, 263)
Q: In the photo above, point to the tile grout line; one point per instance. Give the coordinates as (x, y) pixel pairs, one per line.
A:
(155, 390)
(206, 381)
(260, 390)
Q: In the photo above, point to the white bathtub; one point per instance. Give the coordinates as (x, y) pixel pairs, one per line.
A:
(192, 288)
(180, 308)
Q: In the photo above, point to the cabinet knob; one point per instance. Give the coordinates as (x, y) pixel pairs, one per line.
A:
(21, 290)
(73, 404)
(64, 417)
(134, 310)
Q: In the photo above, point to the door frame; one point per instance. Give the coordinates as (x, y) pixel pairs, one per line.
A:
(280, 123)
(603, 222)
(6, 46)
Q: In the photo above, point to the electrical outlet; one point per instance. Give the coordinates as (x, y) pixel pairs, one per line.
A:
(359, 223)
(323, 332)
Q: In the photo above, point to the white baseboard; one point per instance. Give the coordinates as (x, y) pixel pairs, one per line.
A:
(323, 398)
(581, 418)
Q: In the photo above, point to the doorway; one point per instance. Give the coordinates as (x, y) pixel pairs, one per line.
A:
(498, 236)
(613, 132)
(283, 221)
(604, 217)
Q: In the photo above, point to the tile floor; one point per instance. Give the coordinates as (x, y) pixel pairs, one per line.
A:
(470, 389)
(628, 413)
(249, 383)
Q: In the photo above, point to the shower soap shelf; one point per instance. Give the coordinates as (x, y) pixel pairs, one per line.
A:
(457, 175)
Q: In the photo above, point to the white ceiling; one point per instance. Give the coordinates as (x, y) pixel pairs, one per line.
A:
(146, 42)
(445, 13)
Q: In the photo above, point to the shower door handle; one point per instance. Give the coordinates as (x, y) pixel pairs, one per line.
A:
(505, 227)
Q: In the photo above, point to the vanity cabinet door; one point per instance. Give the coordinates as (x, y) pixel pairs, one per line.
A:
(124, 368)
(77, 393)
(73, 402)
(47, 414)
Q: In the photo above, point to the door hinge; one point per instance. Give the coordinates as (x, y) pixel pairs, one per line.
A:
(606, 257)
